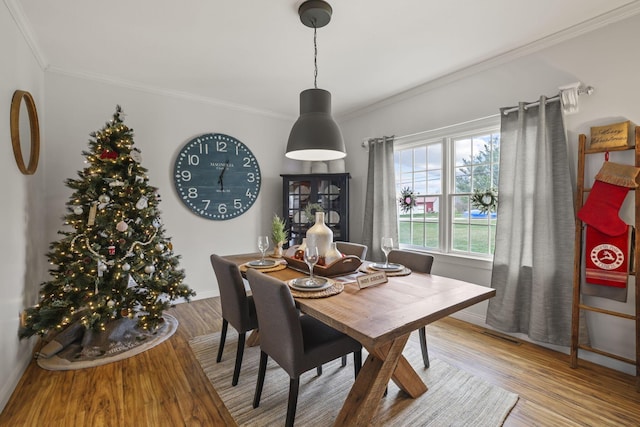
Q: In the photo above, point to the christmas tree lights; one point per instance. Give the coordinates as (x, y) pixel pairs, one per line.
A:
(113, 259)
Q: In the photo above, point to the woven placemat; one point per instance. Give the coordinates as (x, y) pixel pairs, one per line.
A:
(404, 272)
(281, 265)
(334, 289)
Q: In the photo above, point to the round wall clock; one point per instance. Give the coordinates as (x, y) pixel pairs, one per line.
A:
(216, 176)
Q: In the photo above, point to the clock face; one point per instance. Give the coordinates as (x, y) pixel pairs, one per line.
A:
(217, 177)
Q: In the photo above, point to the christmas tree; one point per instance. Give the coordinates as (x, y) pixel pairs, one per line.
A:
(114, 259)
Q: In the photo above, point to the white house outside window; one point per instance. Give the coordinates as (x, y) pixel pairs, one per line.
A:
(443, 168)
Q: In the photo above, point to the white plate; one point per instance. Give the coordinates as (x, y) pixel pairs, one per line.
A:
(326, 284)
(334, 192)
(382, 267)
(268, 263)
(334, 217)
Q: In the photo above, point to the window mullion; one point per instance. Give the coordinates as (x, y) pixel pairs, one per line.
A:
(447, 180)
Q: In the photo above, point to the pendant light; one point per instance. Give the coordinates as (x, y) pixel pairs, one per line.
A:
(315, 136)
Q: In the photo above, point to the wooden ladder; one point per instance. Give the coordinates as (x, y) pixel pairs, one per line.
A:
(577, 304)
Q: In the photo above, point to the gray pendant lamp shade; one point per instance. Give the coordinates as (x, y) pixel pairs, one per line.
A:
(315, 135)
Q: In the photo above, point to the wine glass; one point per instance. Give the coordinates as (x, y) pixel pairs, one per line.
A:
(386, 244)
(311, 258)
(263, 245)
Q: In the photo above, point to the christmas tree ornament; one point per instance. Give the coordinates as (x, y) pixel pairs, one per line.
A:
(92, 214)
(126, 266)
(159, 247)
(131, 283)
(111, 250)
(102, 267)
(78, 210)
(67, 288)
(136, 156)
(122, 226)
(149, 269)
(108, 155)
(610, 188)
(104, 198)
(111, 303)
(142, 203)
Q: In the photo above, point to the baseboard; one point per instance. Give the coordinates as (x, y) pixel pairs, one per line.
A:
(10, 384)
(582, 355)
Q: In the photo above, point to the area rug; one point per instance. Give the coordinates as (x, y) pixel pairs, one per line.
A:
(69, 357)
(454, 398)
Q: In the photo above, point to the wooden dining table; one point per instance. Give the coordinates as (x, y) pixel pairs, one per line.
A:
(381, 318)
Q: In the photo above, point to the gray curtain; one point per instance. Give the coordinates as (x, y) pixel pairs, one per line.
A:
(380, 208)
(533, 259)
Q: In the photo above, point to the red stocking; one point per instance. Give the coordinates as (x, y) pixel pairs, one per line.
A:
(602, 206)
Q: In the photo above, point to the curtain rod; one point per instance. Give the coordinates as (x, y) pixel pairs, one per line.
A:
(365, 142)
(568, 95)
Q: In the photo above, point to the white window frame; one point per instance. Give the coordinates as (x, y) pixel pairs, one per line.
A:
(446, 136)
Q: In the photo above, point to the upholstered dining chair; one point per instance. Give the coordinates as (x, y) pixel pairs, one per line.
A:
(237, 308)
(298, 343)
(348, 248)
(420, 262)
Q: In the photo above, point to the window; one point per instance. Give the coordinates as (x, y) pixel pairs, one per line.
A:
(443, 169)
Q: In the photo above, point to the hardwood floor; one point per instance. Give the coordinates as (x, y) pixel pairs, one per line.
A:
(165, 386)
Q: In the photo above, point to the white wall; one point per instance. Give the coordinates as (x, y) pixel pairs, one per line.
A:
(605, 58)
(21, 207)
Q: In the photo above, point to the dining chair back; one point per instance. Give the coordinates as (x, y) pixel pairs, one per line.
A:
(298, 343)
(238, 308)
(348, 248)
(420, 262)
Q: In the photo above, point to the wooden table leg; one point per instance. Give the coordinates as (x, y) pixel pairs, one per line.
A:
(382, 364)
(408, 379)
(253, 339)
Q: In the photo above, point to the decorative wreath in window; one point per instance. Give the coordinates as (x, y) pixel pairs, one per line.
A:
(310, 211)
(485, 201)
(407, 200)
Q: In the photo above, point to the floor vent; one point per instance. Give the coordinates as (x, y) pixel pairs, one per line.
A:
(502, 337)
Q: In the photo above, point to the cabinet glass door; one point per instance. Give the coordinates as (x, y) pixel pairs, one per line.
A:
(306, 194)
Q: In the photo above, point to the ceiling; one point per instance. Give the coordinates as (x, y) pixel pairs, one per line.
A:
(257, 55)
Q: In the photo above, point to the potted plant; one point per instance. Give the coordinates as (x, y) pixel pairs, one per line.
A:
(279, 235)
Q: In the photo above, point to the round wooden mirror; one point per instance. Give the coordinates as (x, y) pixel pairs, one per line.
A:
(23, 106)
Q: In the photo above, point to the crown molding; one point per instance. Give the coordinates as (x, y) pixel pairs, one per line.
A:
(166, 92)
(17, 13)
(623, 12)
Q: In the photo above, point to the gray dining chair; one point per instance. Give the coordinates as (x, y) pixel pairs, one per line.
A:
(238, 308)
(420, 262)
(298, 343)
(348, 248)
